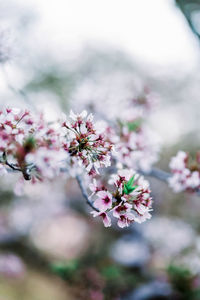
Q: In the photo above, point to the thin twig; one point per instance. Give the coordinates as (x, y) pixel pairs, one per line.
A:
(84, 193)
(157, 173)
(13, 167)
(26, 172)
(163, 176)
(154, 172)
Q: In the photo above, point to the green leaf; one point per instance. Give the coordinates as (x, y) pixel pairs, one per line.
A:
(65, 270)
(131, 181)
(129, 187)
(29, 144)
(111, 272)
(134, 126)
(125, 190)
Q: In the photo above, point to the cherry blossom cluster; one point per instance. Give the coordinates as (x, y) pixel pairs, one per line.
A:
(40, 150)
(85, 143)
(29, 144)
(136, 146)
(126, 196)
(185, 172)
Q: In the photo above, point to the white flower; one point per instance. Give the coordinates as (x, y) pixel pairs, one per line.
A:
(106, 219)
(178, 162)
(74, 116)
(193, 181)
(104, 201)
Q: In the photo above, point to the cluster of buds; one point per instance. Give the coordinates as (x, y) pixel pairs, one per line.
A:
(185, 172)
(85, 143)
(127, 198)
(28, 144)
(136, 146)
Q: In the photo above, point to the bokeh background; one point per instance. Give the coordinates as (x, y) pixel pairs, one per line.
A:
(55, 55)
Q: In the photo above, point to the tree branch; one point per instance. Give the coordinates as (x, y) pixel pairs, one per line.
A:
(163, 176)
(154, 172)
(84, 193)
(157, 173)
(13, 167)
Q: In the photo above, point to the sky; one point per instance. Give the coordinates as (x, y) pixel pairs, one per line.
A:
(152, 31)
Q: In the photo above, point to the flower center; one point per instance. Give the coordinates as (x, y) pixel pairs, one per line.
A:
(106, 199)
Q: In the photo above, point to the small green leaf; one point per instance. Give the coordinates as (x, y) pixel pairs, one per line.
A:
(65, 270)
(125, 190)
(111, 272)
(129, 187)
(29, 144)
(134, 126)
(131, 181)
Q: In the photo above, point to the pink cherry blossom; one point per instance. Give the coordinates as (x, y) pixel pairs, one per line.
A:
(85, 144)
(105, 218)
(185, 172)
(28, 143)
(41, 151)
(104, 200)
(125, 220)
(127, 196)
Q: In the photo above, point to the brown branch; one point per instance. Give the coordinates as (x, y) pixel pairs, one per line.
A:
(12, 166)
(84, 193)
(163, 176)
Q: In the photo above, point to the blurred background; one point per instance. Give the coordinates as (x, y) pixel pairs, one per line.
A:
(57, 55)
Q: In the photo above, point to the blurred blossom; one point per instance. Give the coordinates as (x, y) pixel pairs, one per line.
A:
(66, 236)
(191, 261)
(130, 251)
(119, 90)
(185, 172)
(40, 202)
(191, 258)
(153, 290)
(168, 236)
(138, 149)
(11, 265)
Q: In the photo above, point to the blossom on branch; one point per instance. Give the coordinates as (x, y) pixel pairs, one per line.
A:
(105, 218)
(29, 144)
(185, 172)
(85, 143)
(40, 150)
(136, 146)
(127, 197)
